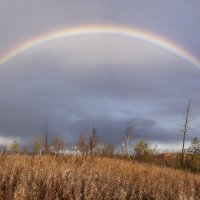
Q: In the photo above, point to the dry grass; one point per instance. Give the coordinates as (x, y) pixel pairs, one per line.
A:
(28, 177)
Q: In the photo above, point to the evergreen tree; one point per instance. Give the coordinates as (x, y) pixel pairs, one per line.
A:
(14, 147)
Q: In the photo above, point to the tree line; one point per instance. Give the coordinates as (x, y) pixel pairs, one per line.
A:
(89, 145)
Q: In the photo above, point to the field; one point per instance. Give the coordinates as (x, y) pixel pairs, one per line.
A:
(48, 177)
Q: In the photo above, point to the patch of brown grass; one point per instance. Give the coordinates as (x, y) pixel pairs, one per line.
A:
(46, 177)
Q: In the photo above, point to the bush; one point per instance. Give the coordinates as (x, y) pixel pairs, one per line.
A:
(144, 152)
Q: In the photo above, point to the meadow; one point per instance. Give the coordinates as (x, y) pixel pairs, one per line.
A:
(27, 177)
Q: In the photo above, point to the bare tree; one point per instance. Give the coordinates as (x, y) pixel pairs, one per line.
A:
(82, 145)
(3, 147)
(46, 138)
(128, 136)
(107, 150)
(58, 144)
(123, 145)
(92, 140)
(185, 131)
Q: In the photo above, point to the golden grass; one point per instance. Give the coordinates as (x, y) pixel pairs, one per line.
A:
(46, 177)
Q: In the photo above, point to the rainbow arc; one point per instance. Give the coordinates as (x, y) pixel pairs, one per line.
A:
(101, 29)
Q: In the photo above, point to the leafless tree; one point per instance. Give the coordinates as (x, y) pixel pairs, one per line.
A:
(185, 131)
(92, 140)
(46, 139)
(123, 145)
(128, 136)
(3, 147)
(57, 144)
(82, 145)
(107, 150)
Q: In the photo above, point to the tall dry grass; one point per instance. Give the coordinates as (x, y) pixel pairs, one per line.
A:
(46, 177)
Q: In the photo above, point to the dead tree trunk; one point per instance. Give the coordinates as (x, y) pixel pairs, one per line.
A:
(185, 133)
(46, 147)
(92, 141)
(123, 145)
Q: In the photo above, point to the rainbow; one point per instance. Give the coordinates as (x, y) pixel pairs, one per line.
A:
(100, 29)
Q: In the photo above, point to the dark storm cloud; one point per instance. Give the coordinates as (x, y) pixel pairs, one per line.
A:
(98, 82)
(112, 131)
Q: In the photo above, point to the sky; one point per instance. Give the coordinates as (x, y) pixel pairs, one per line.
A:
(99, 80)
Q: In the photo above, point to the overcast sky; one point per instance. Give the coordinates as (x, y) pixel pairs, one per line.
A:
(100, 81)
